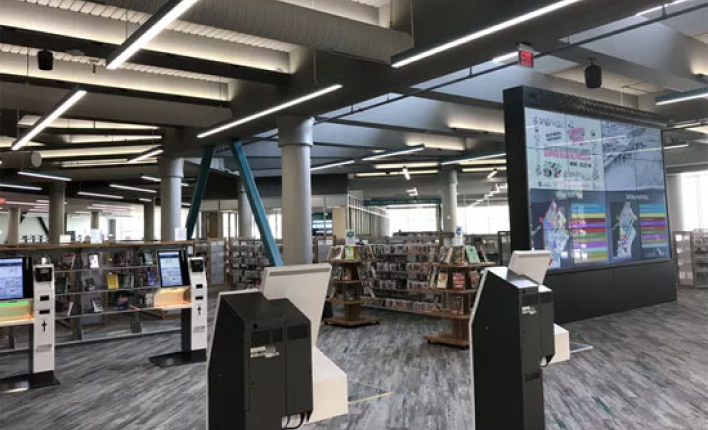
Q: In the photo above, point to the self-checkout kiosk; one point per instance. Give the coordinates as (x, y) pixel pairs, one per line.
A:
(27, 299)
(264, 369)
(513, 337)
(184, 288)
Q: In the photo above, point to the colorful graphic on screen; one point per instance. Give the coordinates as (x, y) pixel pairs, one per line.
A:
(606, 178)
(655, 230)
(11, 279)
(589, 232)
(170, 269)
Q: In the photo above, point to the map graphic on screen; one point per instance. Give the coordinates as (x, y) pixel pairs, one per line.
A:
(597, 190)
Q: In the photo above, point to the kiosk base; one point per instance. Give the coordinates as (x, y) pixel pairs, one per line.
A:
(17, 384)
(180, 358)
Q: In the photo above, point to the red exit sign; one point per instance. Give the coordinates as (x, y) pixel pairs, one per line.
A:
(526, 58)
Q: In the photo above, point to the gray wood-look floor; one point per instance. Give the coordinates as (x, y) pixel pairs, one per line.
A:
(648, 370)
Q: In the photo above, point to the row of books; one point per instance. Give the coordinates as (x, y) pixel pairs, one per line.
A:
(350, 253)
(442, 279)
(408, 249)
(459, 255)
(250, 261)
(95, 260)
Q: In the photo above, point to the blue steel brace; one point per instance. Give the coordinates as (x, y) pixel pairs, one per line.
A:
(254, 198)
(199, 190)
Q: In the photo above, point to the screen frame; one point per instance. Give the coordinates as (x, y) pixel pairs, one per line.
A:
(27, 279)
(524, 98)
(183, 267)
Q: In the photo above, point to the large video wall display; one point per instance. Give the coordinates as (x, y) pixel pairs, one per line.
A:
(597, 190)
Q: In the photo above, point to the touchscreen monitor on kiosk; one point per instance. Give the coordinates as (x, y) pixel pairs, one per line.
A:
(15, 279)
(173, 269)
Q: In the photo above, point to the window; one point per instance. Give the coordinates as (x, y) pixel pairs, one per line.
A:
(484, 219)
(692, 204)
(413, 219)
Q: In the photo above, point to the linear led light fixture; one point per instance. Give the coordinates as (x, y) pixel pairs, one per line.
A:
(393, 153)
(486, 32)
(150, 178)
(331, 165)
(13, 202)
(58, 110)
(142, 199)
(678, 146)
(21, 187)
(125, 187)
(103, 196)
(407, 174)
(476, 157)
(682, 97)
(658, 8)
(169, 12)
(267, 112)
(492, 174)
(149, 154)
(44, 176)
(371, 175)
(506, 57)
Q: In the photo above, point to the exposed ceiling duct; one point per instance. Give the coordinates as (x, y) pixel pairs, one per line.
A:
(292, 24)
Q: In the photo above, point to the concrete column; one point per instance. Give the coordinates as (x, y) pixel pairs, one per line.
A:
(245, 215)
(295, 141)
(57, 195)
(449, 200)
(171, 174)
(13, 227)
(95, 220)
(149, 221)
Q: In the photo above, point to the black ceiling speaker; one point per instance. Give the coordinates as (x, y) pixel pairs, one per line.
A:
(45, 59)
(593, 76)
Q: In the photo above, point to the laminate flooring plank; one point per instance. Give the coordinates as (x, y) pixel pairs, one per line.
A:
(648, 371)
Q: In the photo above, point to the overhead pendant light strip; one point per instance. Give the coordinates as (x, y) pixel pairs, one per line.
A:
(393, 153)
(142, 36)
(682, 97)
(146, 155)
(128, 188)
(44, 176)
(100, 195)
(474, 158)
(267, 112)
(331, 165)
(21, 187)
(486, 32)
(58, 110)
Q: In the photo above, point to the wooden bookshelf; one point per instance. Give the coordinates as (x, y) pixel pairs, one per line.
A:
(349, 293)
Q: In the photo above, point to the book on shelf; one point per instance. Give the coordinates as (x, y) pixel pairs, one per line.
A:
(433, 278)
(337, 253)
(89, 284)
(472, 255)
(112, 281)
(350, 253)
(442, 280)
(93, 262)
(147, 258)
(67, 261)
(96, 305)
(483, 254)
(69, 308)
(121, 303)
(128, 280)
(458, 255)
(448, 256)
(151, 278)
(458, 281)
(457, 306)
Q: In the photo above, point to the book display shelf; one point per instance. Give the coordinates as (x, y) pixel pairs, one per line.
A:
(683, 254)
(453, 283)
(215, 256)
(100, 286)
(699, 253)
(247, 260)
(349, 284)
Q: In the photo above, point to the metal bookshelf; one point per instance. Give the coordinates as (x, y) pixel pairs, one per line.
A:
(103, 291)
